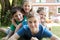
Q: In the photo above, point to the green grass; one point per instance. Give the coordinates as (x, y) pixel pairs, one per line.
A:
(56, 30)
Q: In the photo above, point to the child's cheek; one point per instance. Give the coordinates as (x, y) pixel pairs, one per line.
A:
(35, 25)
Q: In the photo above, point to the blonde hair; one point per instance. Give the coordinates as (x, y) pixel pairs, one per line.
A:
(23, 1)
(33, 14)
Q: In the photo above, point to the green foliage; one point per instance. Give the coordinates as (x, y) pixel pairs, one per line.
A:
(19, 2)
(6, 20)
(6, 17)
(0, 14)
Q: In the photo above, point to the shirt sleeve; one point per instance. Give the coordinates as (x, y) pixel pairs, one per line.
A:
(21, 31)
(12, 27)
(47, 33)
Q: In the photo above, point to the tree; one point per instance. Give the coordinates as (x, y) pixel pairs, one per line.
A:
(5, 11)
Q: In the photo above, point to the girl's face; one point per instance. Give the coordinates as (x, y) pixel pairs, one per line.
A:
(27, 6)
(18, 16)
(33, 23)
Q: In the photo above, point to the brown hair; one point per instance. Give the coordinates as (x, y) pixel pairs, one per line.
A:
(40, 9)
(14, 10)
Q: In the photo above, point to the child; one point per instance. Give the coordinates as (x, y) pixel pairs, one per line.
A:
(19, 20)
(42, 14)
(26, 7)
(33, 30)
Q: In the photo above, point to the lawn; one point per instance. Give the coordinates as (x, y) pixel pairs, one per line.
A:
(55, 30)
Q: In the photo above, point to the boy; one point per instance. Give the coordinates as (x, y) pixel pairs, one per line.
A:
(42, 14)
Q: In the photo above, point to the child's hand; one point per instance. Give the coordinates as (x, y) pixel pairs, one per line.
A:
(13, 22)
(12, 19)
(34, 38)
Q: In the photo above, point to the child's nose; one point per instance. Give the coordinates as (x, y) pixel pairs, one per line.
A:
(19, 17)
(32, 24)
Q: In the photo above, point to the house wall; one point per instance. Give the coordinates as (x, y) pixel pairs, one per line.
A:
(51, 4)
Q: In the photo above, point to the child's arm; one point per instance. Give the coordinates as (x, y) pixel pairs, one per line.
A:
(18, 27)
(14, 37)
(54, 37)
(8, 36)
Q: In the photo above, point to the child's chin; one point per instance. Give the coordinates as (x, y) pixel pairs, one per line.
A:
(34, 30)
(20, 20)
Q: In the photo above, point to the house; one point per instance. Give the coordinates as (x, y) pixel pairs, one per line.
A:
(51, 7)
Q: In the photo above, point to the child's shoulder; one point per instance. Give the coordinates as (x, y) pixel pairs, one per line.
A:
(26, 27)
(42, 27)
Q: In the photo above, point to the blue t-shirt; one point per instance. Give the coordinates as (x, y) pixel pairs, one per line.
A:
(43, 32)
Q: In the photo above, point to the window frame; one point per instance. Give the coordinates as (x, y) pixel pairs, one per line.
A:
(40, 1)
(57, 9)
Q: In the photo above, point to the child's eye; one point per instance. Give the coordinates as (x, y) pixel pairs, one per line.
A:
(28, 6)
(44, 15)
(16, 16)
(34, 21)
(30, 22)
(41, 14)
(25, 5)
(19, 14)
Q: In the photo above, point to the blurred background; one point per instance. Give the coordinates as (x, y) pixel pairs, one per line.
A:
(51, 7)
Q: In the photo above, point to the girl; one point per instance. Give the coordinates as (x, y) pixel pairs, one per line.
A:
(19, 20)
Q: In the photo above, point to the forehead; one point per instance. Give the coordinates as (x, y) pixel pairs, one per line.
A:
(42, 13)
(33, 19)
(17, 13)
(27, 3)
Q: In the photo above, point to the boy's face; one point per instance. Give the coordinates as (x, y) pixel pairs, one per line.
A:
(33, 23)
(42, 14)
(27, 6)
(18, 16)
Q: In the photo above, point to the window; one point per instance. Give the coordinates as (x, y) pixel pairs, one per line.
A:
(40, 1)
(47, 11)
(58, 9)
(37, 1)
(35, 8)
(58, 1)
